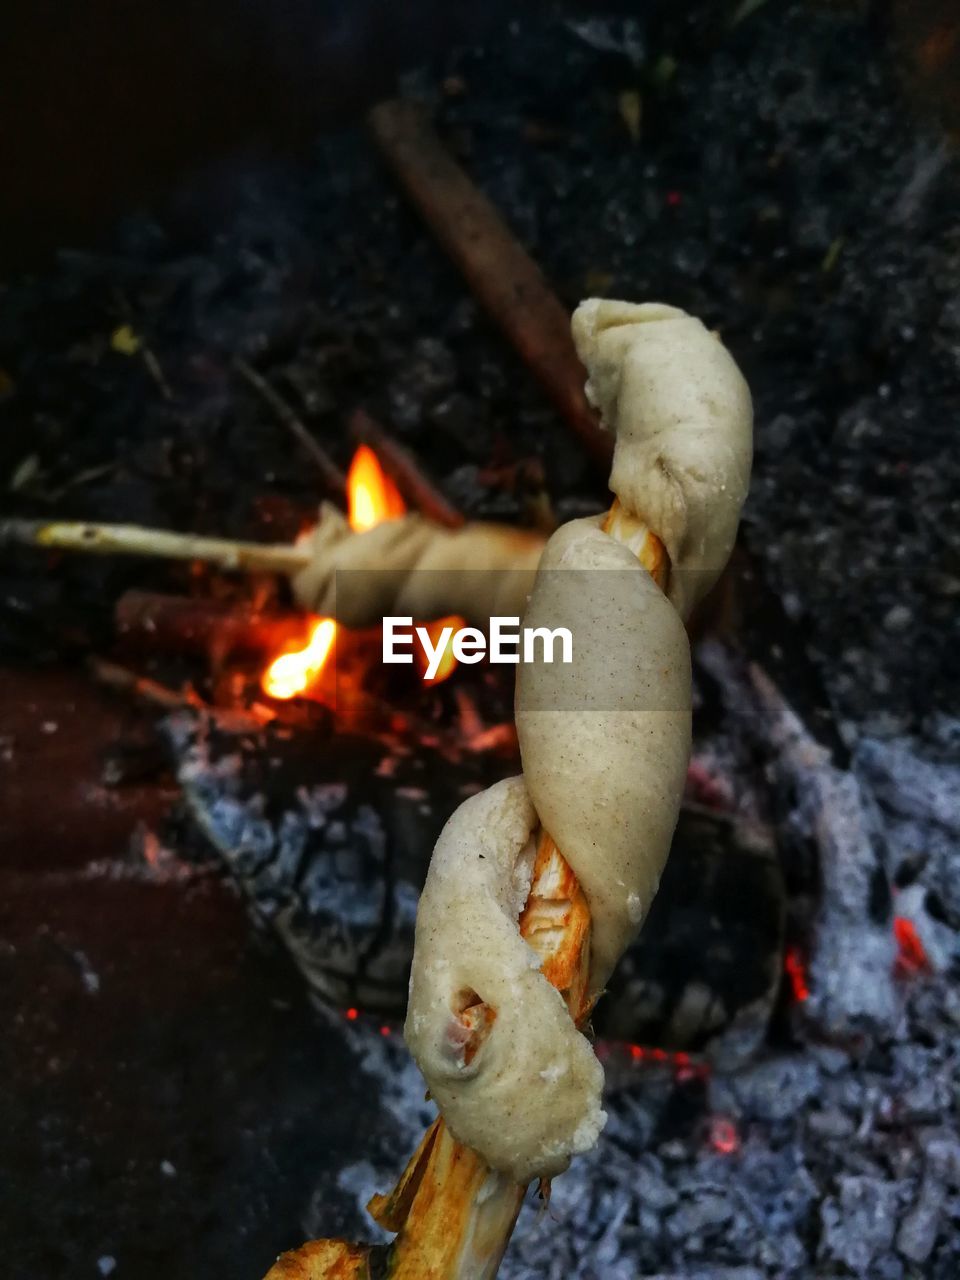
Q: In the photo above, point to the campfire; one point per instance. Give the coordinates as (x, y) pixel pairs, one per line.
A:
(372, 499)
(233, 455)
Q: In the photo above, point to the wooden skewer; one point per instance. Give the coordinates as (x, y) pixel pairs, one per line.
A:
(453, 1215)
(138, 540)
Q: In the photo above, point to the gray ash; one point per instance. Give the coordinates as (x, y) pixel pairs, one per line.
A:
(329, 834)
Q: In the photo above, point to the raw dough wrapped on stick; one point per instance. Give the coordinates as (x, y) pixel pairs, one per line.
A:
(604, 742)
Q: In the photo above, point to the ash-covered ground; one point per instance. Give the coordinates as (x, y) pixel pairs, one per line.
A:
(773, 177)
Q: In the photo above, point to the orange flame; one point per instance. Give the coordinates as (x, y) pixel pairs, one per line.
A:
(291, 673)
(448, 662)
(372, 497)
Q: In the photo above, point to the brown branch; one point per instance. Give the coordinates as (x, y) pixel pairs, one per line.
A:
(498, 269)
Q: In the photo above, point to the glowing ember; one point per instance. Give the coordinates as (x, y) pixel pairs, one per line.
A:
(796, 971)
(724, 1136)
(352, 1015)
(681, 1063)
(448, 662)
(911, 956)
(372, 497)
(294, 672)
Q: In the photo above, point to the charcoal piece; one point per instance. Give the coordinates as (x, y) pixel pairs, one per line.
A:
(922, 1224)
(707, 1213)
(920, 799)
(330, 837)
(919, 1228)
(859, 1223)
(706, 968)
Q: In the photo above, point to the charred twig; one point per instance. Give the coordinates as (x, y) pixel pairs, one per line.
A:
(405, 472)
(152, 691)
(123, 679)
(851, 965)
(497, 267)
(333, 477)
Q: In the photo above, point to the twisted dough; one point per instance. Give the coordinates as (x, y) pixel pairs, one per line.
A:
(412, 567)
(604, 742)
(683, 419)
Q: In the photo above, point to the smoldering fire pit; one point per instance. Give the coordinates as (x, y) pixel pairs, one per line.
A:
(780, 1045)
